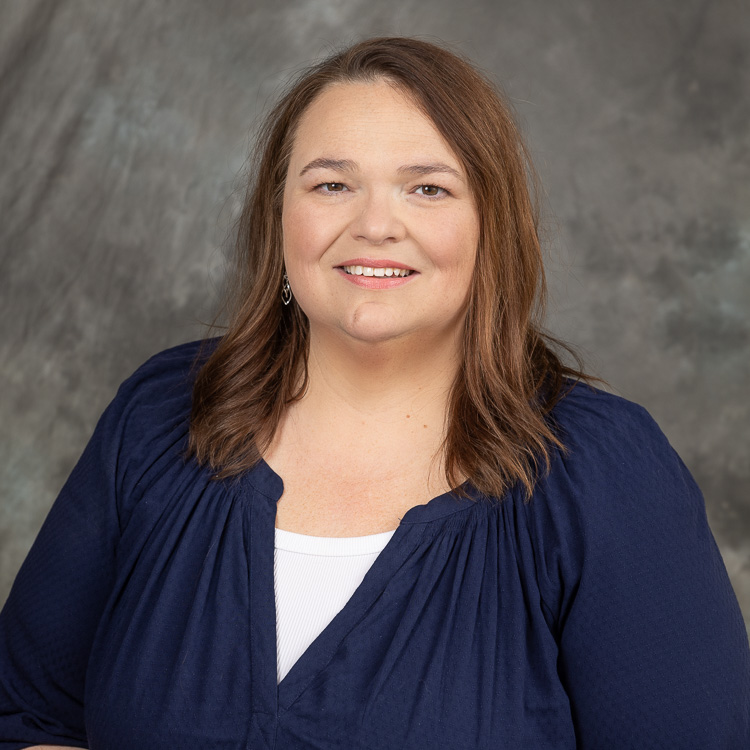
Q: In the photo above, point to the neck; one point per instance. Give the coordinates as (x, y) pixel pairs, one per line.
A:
(375, 410)
(385, 381)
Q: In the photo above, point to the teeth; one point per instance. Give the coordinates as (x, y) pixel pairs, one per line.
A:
(369, 271)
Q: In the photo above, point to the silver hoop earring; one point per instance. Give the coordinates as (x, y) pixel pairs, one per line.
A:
(286, 291)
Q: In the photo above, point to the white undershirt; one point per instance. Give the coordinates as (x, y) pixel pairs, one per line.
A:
(314, 577)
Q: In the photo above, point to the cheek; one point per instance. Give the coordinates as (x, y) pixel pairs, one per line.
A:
(304, 242)
(293, 226)
(307, 233)
(454, 245)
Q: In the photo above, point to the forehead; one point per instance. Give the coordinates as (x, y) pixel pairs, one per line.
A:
(375, 119)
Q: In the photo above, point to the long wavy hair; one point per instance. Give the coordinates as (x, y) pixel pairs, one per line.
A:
(498, 433)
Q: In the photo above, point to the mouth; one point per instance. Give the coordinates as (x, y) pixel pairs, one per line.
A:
(376, 273)
(357, 270)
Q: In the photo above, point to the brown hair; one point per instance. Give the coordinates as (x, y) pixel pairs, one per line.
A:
(497, 431)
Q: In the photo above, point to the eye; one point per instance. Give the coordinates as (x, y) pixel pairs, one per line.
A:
(431, 191)
(331, 187)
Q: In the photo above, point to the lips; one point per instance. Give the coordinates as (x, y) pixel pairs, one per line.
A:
(374, 271)
(376, 263)
(380, 277)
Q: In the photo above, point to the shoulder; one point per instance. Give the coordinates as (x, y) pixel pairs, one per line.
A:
(617, 500)
(611, 444)
(164, 382)
(589, 415)
(172, 369)
(617, 483)
(149, 417)
(161, 387)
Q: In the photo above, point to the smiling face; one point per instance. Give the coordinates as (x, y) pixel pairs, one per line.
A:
(380, 228)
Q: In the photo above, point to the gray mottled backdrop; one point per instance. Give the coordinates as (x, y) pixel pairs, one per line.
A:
(123, 126)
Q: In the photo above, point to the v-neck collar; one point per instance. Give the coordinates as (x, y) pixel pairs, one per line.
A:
(268, 696)
(266, 481)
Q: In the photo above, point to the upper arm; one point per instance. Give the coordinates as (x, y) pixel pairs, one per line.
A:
(653, 650)
(48, 623)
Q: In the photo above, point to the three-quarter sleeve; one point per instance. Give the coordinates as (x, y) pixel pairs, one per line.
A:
(653, 650)
(48, 623)
(50, 620)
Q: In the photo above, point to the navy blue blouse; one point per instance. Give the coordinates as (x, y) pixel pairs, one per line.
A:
(598, 615)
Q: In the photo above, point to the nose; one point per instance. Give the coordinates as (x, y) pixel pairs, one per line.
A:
(377, 219)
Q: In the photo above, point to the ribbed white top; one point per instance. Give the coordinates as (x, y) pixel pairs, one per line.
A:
(314, 577)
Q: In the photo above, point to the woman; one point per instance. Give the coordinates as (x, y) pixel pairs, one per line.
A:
(473, 548)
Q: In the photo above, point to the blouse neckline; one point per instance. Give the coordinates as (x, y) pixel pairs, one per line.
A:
(268, 483)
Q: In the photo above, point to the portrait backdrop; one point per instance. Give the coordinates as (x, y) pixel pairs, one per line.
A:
(124, 129)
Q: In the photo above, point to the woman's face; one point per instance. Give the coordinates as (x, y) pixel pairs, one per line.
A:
(373, 191)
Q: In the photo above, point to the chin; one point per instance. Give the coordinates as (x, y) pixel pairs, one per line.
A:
(374, 326)
(373, 334)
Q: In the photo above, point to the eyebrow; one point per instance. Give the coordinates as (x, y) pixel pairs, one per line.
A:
(346, 165)
(338, 165)
(423, 169)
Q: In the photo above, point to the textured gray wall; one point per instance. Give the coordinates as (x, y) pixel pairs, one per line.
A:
(123, 126)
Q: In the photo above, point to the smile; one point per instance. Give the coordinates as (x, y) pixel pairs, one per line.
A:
(370, 271)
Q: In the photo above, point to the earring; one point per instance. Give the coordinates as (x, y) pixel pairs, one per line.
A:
(286, 291)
